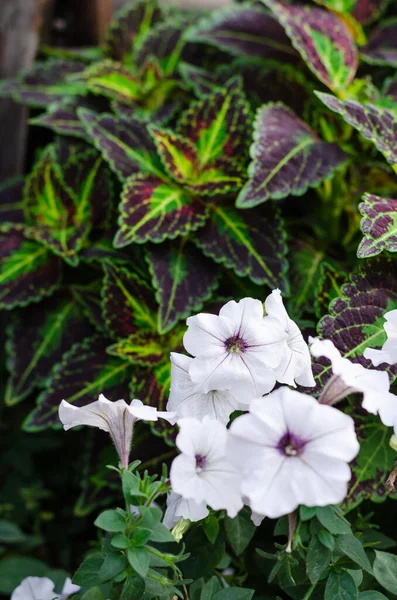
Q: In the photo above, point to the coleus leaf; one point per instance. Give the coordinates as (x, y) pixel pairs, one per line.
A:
(140, 348)
(329, 287)
(160, 115)
(128, 303)
(37, 340)
(45, 83)
(368, 11)
(252, 244)
(376, 124)
(129, 26)
(355, 320)
(183, 279)
(112, 80)
(200, 80)
(323, 40)
(340, 6)
(88, 297)
(244, 30)
(390, 88)
(288, 157)
(379, 225)
(153, 209)
(381, 48)
(85, 371)
(28, 271)
(125, 144)
(305, 269)
(11, 201)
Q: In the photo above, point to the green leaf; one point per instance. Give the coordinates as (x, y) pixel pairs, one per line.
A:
(317, 559)
(385, 570)
(239, 531)
(112, 80)
(351, 546)
(88, 572)
(140, 349)
(114, 563)
(11, 533)
(371, 595)
(210, 588)
(140, 537)
(120, 541)
(332, 520)
(326, 538)
(14, 569)
(329, 287)
(111, 520)
(210, 527)
(306, 263)
(340, 586)
(234, 594)
(133, 588)
(307, 512)
(94, 593)
(139, 560)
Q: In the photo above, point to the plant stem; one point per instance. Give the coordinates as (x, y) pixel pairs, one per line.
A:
(310, 591)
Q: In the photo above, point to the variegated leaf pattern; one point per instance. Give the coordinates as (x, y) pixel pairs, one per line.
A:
(379, 225)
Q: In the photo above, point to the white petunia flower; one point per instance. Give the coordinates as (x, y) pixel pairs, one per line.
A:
(350, 378)
(42, 588)
(296, 364)
(291, 450)
(236, 350)
(182, 508)
(388, 354)
(186, 401)
(202, 472)
(117, 418)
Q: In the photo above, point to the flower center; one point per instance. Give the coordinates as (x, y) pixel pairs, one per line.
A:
(291, 445)
(201, 461)
(236, 345)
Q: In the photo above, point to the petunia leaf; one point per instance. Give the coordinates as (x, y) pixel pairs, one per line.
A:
(381, 48)
(128, 303)
(37, 340)
(376, 124)
(323, 40)
(252, 244)
(141, 348)
(129, 26)
(244, 30)
(379, 225)
(124, 143)
(11, 201)
(84, 372)
(288, 157)
(153, 209)
(183, 279)
(45, 83)
(28, 271)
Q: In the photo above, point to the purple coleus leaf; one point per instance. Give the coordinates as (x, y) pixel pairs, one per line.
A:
(88, 297)
(128, 303)
(45, 83)
(130, 25)
(251, 244)
(183, 279)
(356, 318)
(141, 348)
(112, 80)
(323, 40)
(376, 124)
(37, 340)
(124, 143)
(368, 11)
(288, 157)
(11, 201)
(390, 88)
(154, 209)
(244, 30)
(84, 372)
(201, 81)
(379, 225)
(28, 271)
(381, 48)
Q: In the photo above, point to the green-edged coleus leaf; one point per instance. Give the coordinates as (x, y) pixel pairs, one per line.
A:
(379, 225)
(112, 80)
(329, 287)
(340, 6)
(244, 30)
(355, 320)
(381, 48)
(376, 124)
(128, 303)
(201, 81)
(288, 157)
(88, 297)
(129, 26)
(390, 88)
(251, 243)
(28, 271)
(211, 141)
(11, 201)
(154, 208)
(124, 143)
(183, 279)
(368, 11)
(45, 83)
(67, 193)
(140, 348)
(84, 372)
(323, 40)
(37, 340)
(306, 262)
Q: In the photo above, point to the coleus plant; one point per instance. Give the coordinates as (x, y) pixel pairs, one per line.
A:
(197, 159)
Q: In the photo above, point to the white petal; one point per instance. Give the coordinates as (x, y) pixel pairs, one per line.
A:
(319, 481)
(144, 412)
(221, 483)
(35, 588)
(179, 507)
(206, 334)
(240, 312)
(68, 589)
(206, 438)
(97, 414)
(378, 356)
(256, 518)
(184, 478)
(274, 307)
